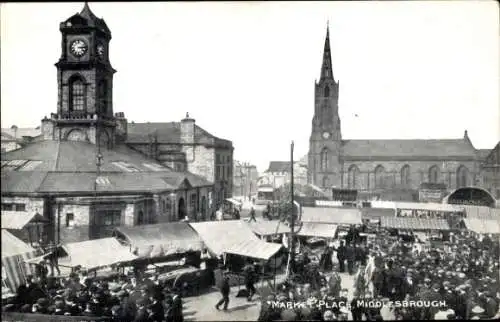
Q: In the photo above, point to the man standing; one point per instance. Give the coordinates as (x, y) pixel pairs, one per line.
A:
(249, 280)
(341, 252)
(252, 215)
(224, 289)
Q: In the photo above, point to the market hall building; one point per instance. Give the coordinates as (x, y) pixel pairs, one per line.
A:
(374, 166)
(81, 175)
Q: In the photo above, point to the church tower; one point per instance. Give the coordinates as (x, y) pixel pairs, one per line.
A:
(85, 83)
(325, 143)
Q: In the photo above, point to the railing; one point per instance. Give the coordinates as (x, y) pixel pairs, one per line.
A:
(78, 115)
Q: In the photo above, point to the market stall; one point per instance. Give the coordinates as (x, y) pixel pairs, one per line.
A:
(414, 224)
(14, 269)
(339, 216)
(269, 230)
(482, 226)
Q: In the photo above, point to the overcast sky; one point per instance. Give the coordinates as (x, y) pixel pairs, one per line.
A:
(246, 71)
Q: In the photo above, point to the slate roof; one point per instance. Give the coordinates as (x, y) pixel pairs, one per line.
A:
(279, 166)
(482, 154)
(70, 167)
(90, 19)
(169, 132)
(408, 149)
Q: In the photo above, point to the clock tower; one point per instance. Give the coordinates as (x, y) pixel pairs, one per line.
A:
(85, 83)
(325, 143)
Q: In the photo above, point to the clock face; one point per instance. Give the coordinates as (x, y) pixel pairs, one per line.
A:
(100, 50)
(78, 48)
(326, 135)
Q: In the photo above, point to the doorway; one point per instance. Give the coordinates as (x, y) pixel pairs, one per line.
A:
(181, 209)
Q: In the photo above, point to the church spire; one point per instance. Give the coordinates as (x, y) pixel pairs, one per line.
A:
(326, 67)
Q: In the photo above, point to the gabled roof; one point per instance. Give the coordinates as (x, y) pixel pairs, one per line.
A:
(482, 154)
(279, 166)
(409, 149)
(166, 133)
(493, 156)
(70, 167)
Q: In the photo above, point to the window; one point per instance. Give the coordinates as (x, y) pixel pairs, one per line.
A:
(13, 207)
(462, 177)
(77, 95)
(352, 177)
(433, 174)
(379, 177)
(327, 91)
(70, 220)
(405, 175)
(326, 182)
(194, 204)
(324, 159)
(111, 217)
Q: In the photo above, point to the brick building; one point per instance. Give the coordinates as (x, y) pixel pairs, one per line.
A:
(279, 173)
(83, 176)
(374, 166)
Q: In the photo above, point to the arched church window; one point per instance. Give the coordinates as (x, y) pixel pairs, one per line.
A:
(352, 177)
(324, 159)
(433, 174)
(327, 91)
(379, 177)
(462, 177)
(326, 182)
(405, 175)
(77, 95)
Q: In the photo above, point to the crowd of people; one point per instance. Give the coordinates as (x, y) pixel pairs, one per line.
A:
(126, 298)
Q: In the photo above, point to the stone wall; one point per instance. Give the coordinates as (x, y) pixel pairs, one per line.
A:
(10, 146)
(79, 230)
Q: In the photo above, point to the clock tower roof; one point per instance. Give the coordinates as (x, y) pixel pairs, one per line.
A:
(86, 18)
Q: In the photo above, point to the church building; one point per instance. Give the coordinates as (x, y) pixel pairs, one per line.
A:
(81, 174)
(374, 166)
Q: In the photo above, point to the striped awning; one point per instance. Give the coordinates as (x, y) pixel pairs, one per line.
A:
(414, 223)
(342, 216)
(317, 230)
(483, 226)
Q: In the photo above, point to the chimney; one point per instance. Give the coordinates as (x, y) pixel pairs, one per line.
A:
(187, 130)
(121, 126)
(47, 128)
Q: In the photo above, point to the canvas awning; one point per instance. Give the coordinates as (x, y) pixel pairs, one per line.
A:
(414, 223)
(483, 226)
(160, 239)
(234, 237)
(19, 220)
(482, 212)
(343, 216)
(267, 228)
(317, 230)
(422, 206)
(96, 253)
(377, 213)
(234, 201)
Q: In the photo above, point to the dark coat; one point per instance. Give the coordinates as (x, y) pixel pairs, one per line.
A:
(225, 287)
(142, 315)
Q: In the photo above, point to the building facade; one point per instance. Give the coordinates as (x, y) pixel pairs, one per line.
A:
(490, 171)
(378, 165)
(279, 173)
(245, 177)
(82, 175)
(15, 138)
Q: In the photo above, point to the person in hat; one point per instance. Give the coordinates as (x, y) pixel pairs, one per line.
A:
(116, 315)
(328, 316)
(60, 308)
(224, 289)
(72, 306)
(142, 314)
(478, 312)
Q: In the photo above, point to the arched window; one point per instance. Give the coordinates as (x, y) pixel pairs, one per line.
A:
(462, 177)
(379, 177)
(77, 94)
(324, 159)
(433, 174)
(405, 175)
(327, 91)
(352, 177)
(326, 182)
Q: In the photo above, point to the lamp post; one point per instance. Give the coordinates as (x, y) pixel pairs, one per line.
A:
(172, 208)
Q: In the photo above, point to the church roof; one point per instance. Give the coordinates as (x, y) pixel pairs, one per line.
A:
(456, 149)
(169, 132)
(70, 167)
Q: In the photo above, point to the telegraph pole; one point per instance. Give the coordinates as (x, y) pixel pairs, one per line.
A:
(292, 243)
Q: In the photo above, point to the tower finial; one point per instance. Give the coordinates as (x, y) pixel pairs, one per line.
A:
(187, 115)
(326, 66)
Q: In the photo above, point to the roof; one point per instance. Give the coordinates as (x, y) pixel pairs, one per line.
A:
(266, 227)
(444, 149)
(346, 216)
(425, 206)
(89, 19)
(414, 223)
(234, 237)
(18, 220)
(492, 158)
(483, 226)
(169, 132)
(317, 230)
(327, 203)
(377, 213)
(482, 154)
(11, 245)
(160, 239)
(69, 166)
(279, 166)
(108, 250)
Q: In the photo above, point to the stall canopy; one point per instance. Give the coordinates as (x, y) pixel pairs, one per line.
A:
(482, 212)
(317, 230)
(483, 226)
(160, 239)
(345, 216)
(96, 253)
(414, 223)
(19, 220)
(14, 254)
(234, 237)
(234, 201)
(422, 206)
(267, 228)
(377, 213)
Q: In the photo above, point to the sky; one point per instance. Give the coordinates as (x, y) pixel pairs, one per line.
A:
(246, 70)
